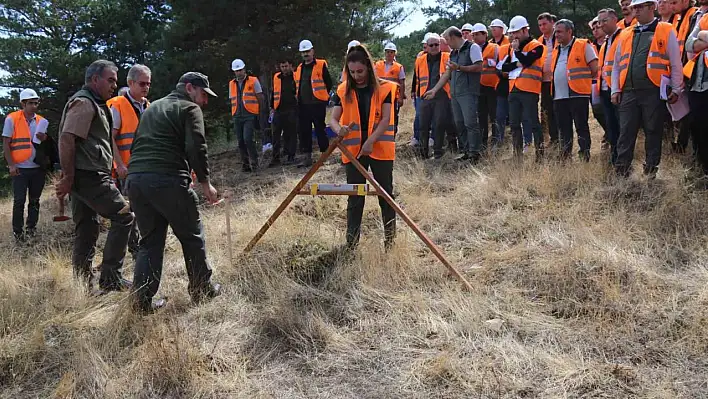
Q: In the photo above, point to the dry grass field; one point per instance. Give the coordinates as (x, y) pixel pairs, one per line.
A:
(585, 286)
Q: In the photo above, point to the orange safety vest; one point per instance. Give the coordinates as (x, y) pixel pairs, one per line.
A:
(385, 147)
(658, 64)
(682, 25)
(605, 64)
(691, 64)
(21, 141)
(250, 100)
(394, 71)
(128, 126)
(489, 73)
(531, 77)
(623, 25)
(505, 40)
(578, 71)
(319, 89)
(423, 75)
(277, 85)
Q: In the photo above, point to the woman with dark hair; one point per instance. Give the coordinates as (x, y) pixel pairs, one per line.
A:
(363, 116)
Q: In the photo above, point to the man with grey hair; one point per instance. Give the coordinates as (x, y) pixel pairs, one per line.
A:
(574, 67)
(126, 110)
(464, 72)
(170, 140)
(86, 161)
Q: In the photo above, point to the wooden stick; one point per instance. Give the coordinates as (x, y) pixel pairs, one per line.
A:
(295, 191)
(434, 248)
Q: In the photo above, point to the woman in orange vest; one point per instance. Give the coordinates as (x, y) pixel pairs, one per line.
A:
(363, 116)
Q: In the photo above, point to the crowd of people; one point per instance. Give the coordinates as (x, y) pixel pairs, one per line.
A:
(638, 71)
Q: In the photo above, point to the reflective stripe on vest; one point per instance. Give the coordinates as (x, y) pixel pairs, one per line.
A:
(578, 72)
(607, 60)
(249, 97)
(128, 126)
(423, 75)
(691, 64)
(683, 25)
(21, 141)
(531, 77)
(489, 76)
(385, 147)
(319, 89)
(658, 64)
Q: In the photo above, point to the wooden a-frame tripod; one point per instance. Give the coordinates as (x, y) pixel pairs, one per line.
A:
(352, 189)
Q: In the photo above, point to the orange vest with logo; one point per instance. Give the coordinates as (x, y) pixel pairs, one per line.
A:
(394, 71)
(250, 100)
(489, 73)
(623, 25)
(385, 148)
(578, 71)
(21, 141)
(658, 64)
(319, 89)
(682, 25)
(531, 77)
(128, 126)
(423, 75)
(691, 64)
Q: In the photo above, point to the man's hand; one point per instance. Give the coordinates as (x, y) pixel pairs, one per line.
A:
(515, 44)
(453, 66)
(430, 94)
(14, 170)
(366, 149)
(42, 136)
(63, 186)
(121, 171)
(616, 98)
(210, 192)
(673, 97)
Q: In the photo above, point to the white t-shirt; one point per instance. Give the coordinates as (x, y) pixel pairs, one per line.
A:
(9, 128)
(475, 53)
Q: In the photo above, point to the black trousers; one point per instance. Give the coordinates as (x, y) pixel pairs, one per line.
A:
(487, 111)
(435, 115)
(29, 183)
(93, 194)
(285, 132)
(571, 111)
(162, 201)
(699, 127)
(548, 120)
(134, 238)
(383, 173)
(309, 115)
(640, 108)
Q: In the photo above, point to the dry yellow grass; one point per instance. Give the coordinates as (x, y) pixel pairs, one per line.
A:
(601, 286)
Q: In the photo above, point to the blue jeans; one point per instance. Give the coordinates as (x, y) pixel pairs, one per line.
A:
(502, 114)
(464, 111)
(523, 107)
(612, 122)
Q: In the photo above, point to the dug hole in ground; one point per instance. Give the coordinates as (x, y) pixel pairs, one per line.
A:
(584, 286)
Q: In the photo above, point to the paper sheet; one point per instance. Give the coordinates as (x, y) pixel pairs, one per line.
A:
(680, 108)
(664, 88)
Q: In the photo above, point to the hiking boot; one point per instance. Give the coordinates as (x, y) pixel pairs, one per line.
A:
(212, 291)
(20, 237)
(246, 168)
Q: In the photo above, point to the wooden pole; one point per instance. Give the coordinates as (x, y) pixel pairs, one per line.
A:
(295, 192)
(434, 248)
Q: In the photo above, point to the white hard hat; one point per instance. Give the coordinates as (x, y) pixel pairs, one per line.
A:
(593, 22)
(350, 45)
(390, 46)
(517, 23)
(306, 45)
(466, 27)
(433, 36)
(498, 23)
(425, 38)
(479, 28)
(237, 65)
(28, 94)
(638, 2)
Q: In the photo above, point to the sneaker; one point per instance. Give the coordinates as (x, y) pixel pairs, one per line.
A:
(526, 148)
(267, 147)
(414, 141)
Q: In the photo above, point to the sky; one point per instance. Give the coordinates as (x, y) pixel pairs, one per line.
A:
(415, 21)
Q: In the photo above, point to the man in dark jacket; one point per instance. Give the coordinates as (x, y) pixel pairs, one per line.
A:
(169, 142)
